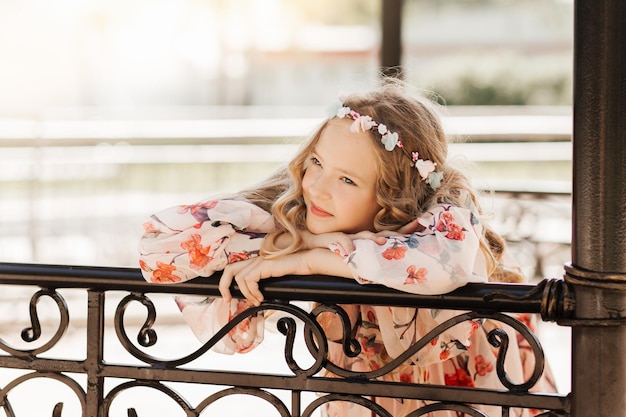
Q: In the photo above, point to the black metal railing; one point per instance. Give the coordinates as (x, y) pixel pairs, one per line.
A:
(97, 382)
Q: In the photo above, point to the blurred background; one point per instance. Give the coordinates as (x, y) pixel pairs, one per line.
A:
(111, 110)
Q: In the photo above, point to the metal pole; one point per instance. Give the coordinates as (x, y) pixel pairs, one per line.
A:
(598, 270)
(391, 45)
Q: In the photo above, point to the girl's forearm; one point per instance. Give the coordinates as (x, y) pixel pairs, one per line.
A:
(283, 240)
(324, 262)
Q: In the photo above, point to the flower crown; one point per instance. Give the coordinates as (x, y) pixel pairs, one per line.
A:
(425, 167)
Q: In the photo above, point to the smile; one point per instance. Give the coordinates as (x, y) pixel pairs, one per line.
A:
(318, 211)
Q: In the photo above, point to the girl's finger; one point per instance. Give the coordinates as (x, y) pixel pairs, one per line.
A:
(345, 242)
(250, 288)
(247, 280)
(379, 238)
(230, 272)
(224, 285)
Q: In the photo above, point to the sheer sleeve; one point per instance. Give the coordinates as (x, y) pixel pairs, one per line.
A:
(442, 255)
(184, 242)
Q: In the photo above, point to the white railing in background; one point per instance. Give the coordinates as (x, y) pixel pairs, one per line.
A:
(77, 191)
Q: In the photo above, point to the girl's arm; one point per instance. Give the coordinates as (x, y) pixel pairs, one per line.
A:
(443, 253)
(183, 242)
(325, 240)
(248, 273)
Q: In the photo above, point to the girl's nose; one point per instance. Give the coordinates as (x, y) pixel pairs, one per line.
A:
(319, 187)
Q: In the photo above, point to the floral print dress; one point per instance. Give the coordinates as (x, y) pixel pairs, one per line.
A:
(184, 242)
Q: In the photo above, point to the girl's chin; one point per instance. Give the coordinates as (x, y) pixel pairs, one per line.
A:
(317, 228)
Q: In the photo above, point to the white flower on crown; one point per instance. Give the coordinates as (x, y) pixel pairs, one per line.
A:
(434, 179)
(362, 124)
(390, 140)
(424, 167)
(343, 112)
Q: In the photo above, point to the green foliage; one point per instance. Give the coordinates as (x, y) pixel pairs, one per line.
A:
(476, 80)
(469, 90)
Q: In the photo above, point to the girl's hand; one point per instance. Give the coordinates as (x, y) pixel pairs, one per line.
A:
(248, 273)
(344, 240)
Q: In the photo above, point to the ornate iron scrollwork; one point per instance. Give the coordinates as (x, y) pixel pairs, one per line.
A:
(317, 342)
(33, 332)
(303, 375)
(187, 408)
(285, 325)
(58, 407)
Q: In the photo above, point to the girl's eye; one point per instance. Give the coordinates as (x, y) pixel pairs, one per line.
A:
(316, 161)
(347, 180)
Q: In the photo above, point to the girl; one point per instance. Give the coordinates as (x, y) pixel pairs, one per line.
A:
(369, 196)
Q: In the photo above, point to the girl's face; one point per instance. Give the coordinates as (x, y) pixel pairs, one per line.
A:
(339, 184)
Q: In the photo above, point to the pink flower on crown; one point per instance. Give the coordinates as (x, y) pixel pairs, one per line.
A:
(362, 124)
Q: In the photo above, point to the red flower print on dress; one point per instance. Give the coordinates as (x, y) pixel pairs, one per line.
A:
(460, 378)
(195, 208)
(447, 225)
(416, 275)
(406, 377)
(239, 334)
(163, 273)
(483, 366)
(455, 232)
(144, 266)
(362, 280)
(149, 227)
(238, 256)
(444, 219)
(395, 252)
(198, 254)
(475, 325)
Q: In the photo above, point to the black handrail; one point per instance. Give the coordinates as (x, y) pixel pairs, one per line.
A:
(492, 297)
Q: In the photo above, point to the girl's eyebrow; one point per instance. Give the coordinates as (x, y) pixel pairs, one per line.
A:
(347, 173)
(352, 175)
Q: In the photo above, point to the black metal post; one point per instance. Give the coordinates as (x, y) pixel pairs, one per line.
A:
(598, 270)
(391, 45)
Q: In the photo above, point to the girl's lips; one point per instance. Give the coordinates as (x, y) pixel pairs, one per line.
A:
(318, 211)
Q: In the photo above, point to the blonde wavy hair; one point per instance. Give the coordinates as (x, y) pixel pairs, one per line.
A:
(400, 192)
